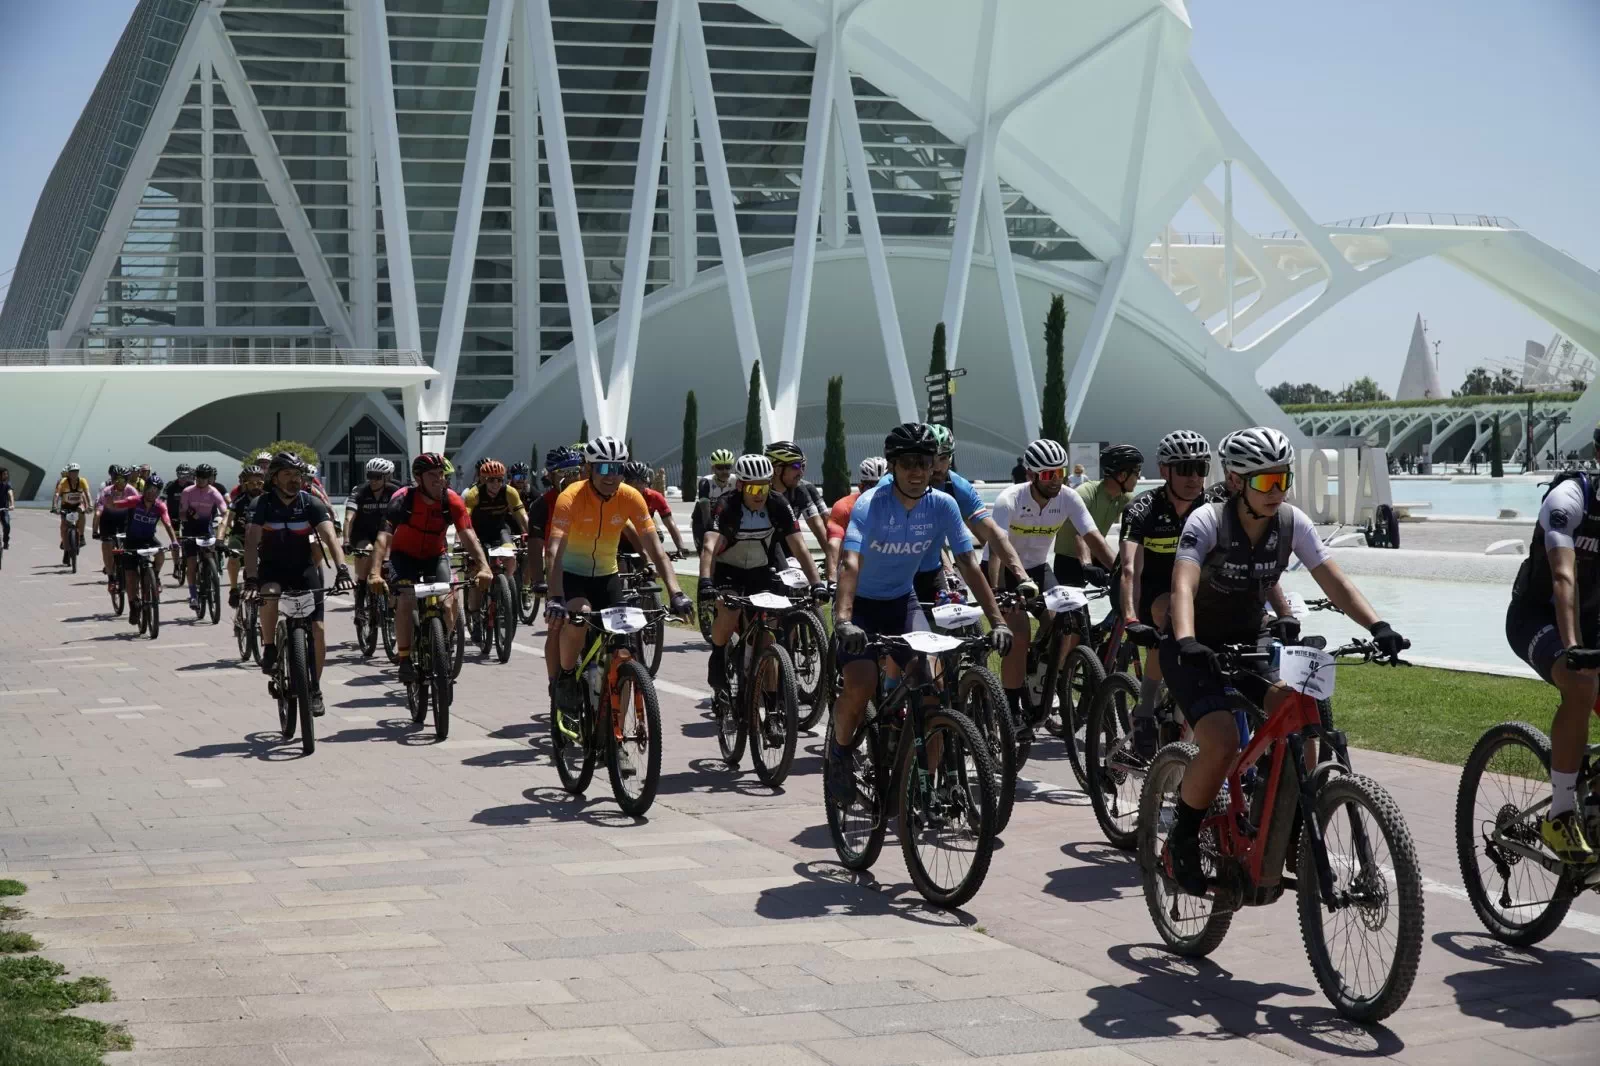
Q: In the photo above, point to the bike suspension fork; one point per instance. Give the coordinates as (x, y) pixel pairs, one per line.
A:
(1308, 820)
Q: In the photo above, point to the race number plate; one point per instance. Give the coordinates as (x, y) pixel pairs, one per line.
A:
(1064, 598)
(432, 588)
(1308, 670)
(503, 551)
(771, 601)
(793, 579)
(956, 615)
(623, 619)
(297, 604)
(931, 643)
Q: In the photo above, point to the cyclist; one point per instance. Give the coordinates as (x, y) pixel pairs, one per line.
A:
(563, 465)
(1230, 556)
(872, 470)
(200, 508)
(413, 541)
(974, 512)
(495, 508)
(72, 500)
(1031, 513)
(708, 490)
(111, 515)
(277, 556)
(260, 463)
(892, 528)
(182, 479)
(803, 498)
(364, 508)
(146, 515)
(588, 521)
(638, 476)
(517, 478)
(140, 476)
(1150, 528)
(753, 532)
(1553, 624)
(1120, 465)
(252, 483)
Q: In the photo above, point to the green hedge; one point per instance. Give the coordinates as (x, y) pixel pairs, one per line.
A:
(1453, 401)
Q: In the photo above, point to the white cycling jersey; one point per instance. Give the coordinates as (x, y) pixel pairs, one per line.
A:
(1031, 527)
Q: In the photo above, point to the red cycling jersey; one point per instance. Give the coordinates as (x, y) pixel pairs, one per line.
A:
(418, 524)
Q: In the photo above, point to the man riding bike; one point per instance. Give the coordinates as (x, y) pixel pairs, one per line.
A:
(252, 484)
(752, 534)
(872, 470)
(111, 516)
(637, 476)
(975, 513)
(277, 556)
(1120, 465)
(1230, 556)
(182, 479)
(803, 498)
(147, 514)
(413, 540)
(364, 509)
(1030, 514)
(496, 509)
(200, 507)
(563, 465)
(1151, 525)
(1553, 624)
(708, 490)
(72, 498)
(589, 518)
(893, 527)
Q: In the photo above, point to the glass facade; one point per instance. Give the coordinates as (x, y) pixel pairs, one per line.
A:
(207, 249)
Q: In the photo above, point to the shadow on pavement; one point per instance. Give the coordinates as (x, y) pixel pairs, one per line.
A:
(712, 777)
(830, 890)
(402, 730)
(268, 747)
(1104, 874)
(1201, 988)
(549, 804)
(1518, 987)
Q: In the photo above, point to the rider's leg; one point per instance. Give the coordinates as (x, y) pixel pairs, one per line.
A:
(860, 682)
(1014, 668)
(1150, 686)
(359, 568)
(721, 632)
(268, 615)
(571, 641)
(404, 619)
(1569, 733)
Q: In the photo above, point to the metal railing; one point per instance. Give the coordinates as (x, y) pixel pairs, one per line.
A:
(1388, 218)
(211, 357)
(195, 442)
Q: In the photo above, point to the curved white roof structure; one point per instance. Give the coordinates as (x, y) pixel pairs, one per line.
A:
(598, 205)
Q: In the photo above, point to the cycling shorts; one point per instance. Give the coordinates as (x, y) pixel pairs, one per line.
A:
(745, 582)
(1199, 692)
(1040, 575)
(112, 523)
(599, 590)
(128, 560)
(420, 571)
(1533, 635)
(195, 527)
(885, 618)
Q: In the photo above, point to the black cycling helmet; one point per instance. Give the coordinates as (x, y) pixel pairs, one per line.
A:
(185, 470)
(123, 472)
(562, 457)
(111, 471)
(205, 470)
(1120, 457)
(285, 461)
(518, 470)
(910, 438)
(153, 482)
(785, 451)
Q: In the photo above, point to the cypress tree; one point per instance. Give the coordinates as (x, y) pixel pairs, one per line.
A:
(835, 460)
(936, 361)
(533, 463)
(1496, 463)
(753, 444)
(583, 431)
(691, 435)
(1053, 408)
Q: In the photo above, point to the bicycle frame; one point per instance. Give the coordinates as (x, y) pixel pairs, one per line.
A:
(906, 706)
(615, 646)
(1588, 776)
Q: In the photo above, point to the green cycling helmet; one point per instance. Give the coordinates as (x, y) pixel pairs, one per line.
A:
(722, 457)
(943, 438)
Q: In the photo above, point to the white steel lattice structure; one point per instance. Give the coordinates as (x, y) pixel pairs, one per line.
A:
(580, 209)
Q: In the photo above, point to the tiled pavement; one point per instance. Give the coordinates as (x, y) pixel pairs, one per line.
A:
(395, 900)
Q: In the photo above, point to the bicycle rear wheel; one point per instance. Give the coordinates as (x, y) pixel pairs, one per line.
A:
(1115, 784)
(727, 708)
(1080, 678)
(385, 622)
(504, 599)
(774, 716)
(443, 682)
(980, 697)
(634, 759)
(119, 595)
(1504, 789)
(807, 640)
(299, 678)
(455, 651)
(213, 591)
(947, 816)
(859, 827)
(72, 548)
(1190, 925)
(1365, 953)
(152, 602)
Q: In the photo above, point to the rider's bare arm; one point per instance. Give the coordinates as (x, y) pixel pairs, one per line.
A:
(844, 600)
(1098, 548)
(988, 534)
(797, 548)
(330, 540)
(967, 563)
(252, 541)
(555, 550)
(1180, 609)
(1132, 574)
(1564, 585)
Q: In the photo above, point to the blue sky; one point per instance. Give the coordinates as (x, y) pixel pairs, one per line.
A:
(1359, 106)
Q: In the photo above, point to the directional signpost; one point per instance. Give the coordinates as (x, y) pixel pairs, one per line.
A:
(941, 390)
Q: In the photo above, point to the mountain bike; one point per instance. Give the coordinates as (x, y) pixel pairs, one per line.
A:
(494, 623)
(1062, 612)
(639, 578)
(618, 716)
(458, 645)
(374, 617)
(1520, 891)
(806, 638)
(434, 686)
(144, 604)
(1356, 876)
(757, 697)
(1104, 654)
(246, 623)
(207, 581)
(291, 681)
(981, 697)
(69, 557)
(917, 758)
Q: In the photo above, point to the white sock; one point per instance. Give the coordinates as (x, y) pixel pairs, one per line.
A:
(1563, 792)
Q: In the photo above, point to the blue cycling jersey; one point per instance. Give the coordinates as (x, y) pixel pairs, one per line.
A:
(973, 509)
(892, 541)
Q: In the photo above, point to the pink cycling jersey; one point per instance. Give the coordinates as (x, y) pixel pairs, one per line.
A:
(118, 501)
(197, 502)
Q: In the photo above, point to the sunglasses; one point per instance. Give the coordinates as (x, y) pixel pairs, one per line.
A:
(1049, 475)
(798, 464)
(912, 462)
(722, 469)
(607, 469)
(1281, 480)
(760, 489)
(1190, 468)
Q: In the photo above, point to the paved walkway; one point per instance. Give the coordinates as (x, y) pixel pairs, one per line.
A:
(395, 900)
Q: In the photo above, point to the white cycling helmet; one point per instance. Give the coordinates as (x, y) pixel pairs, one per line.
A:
(379, 467)
(874, 468)
(752, 468)
(1182, 445)
(1248, 451)
(72, 468)
(605, 450)
(1044, 454)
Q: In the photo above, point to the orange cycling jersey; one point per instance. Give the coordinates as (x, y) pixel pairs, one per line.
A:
(592, 526)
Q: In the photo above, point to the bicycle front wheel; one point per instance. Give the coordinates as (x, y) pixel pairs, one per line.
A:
(443, 680)
(505, 616)
(1081, 678)
(947, 809)
(1190, 925)
(119, 595)
(455, 652)
(807, 641)
(1116, 775)
(1504, 792)
(774, 718)
(384, 620)
(299, 679)
(635, 757)
(980, 698)
(1364, 953)
(152, 602)
(213, 592)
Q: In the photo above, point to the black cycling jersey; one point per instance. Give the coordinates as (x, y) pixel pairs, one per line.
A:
(753, 539)
(1151, 519)
(805, 500)
(1569, 517)
(1236, 576)
(287, 528)
(174, 494)
(369, 507)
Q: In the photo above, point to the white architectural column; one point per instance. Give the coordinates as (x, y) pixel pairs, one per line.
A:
(1227, 242)
(975, 173)
(564, 200)
(208, 194)
(524, 200)
(642, 217)
(698, 65)
(363, 190)
(835, 193)
(469, 209)
(379, 91)
(1011, 302)
(808, 212)
(682, 205)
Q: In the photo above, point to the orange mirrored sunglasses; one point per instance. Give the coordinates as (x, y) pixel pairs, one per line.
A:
(1279, 480)
(1049, 475)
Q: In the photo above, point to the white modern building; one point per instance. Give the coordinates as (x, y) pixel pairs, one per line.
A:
(477, 223)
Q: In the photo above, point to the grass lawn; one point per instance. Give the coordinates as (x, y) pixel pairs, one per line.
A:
(34, 1031)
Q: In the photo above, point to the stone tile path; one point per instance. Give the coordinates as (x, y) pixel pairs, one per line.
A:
(396, 900)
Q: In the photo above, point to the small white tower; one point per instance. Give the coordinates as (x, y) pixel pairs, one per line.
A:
(1420, 378)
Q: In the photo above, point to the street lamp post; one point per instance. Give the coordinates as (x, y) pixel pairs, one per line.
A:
(1557, 420)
